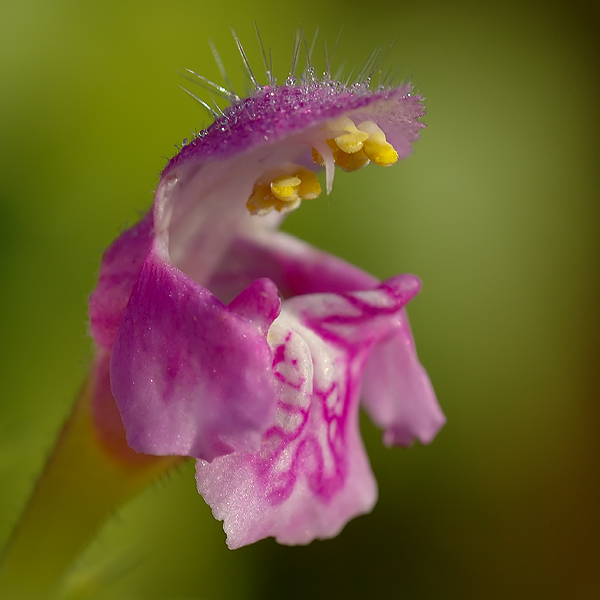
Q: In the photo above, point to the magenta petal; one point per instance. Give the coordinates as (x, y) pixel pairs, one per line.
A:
(120, 267)
(397, 392)
(259, 303)
(231, 485)
(357, 320)
(396, 389)
(296, 267)
(311, 475)
(190, 376)
(273, 114)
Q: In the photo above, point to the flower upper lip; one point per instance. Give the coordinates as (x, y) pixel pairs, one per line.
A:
(212, 177)
(291, 110)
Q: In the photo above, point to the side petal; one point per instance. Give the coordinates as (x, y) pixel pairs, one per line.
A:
(397, 392)
(118, 273)
(190, 376)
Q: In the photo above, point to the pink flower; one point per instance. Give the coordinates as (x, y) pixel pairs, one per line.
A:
(247, 349)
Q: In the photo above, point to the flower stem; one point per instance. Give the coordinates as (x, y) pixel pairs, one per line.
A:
(84, 481)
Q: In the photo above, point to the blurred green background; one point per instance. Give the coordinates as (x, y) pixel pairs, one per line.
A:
(497, 211)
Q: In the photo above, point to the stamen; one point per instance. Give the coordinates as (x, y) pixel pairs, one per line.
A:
(323, 156)
(354, 148)
(352, 140)
(283, 190)
(344, 160)
(348, 161)
(376, 147)
(340, 143)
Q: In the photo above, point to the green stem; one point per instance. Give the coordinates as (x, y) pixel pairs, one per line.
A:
(85, 480)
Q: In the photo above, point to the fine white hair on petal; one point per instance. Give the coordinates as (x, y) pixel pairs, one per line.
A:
(362, 80)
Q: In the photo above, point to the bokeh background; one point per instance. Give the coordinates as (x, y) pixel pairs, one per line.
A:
(497, 211)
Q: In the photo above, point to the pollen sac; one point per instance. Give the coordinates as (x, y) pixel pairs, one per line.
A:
(283, 190)
(351, 141)
(344, 160)
(357, 145)
(376, 147)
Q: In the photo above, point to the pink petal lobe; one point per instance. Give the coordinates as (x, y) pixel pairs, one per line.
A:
(397, 392)
(228, 485)
(311, 475)
(259, 303)
(120, 267)
(190, 376)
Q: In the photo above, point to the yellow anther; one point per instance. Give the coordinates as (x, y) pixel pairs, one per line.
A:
(357, 146)
(352, 140)
(376, 147)
(283, 189)
(309, 187)
(348, 161)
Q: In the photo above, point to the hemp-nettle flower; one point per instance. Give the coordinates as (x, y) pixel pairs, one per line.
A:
(247, 349)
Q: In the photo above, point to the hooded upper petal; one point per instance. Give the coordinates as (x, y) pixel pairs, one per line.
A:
(272, 114)
(200, 202)
(199, 208)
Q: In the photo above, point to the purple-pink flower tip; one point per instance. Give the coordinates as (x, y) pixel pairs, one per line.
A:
(249, 350)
